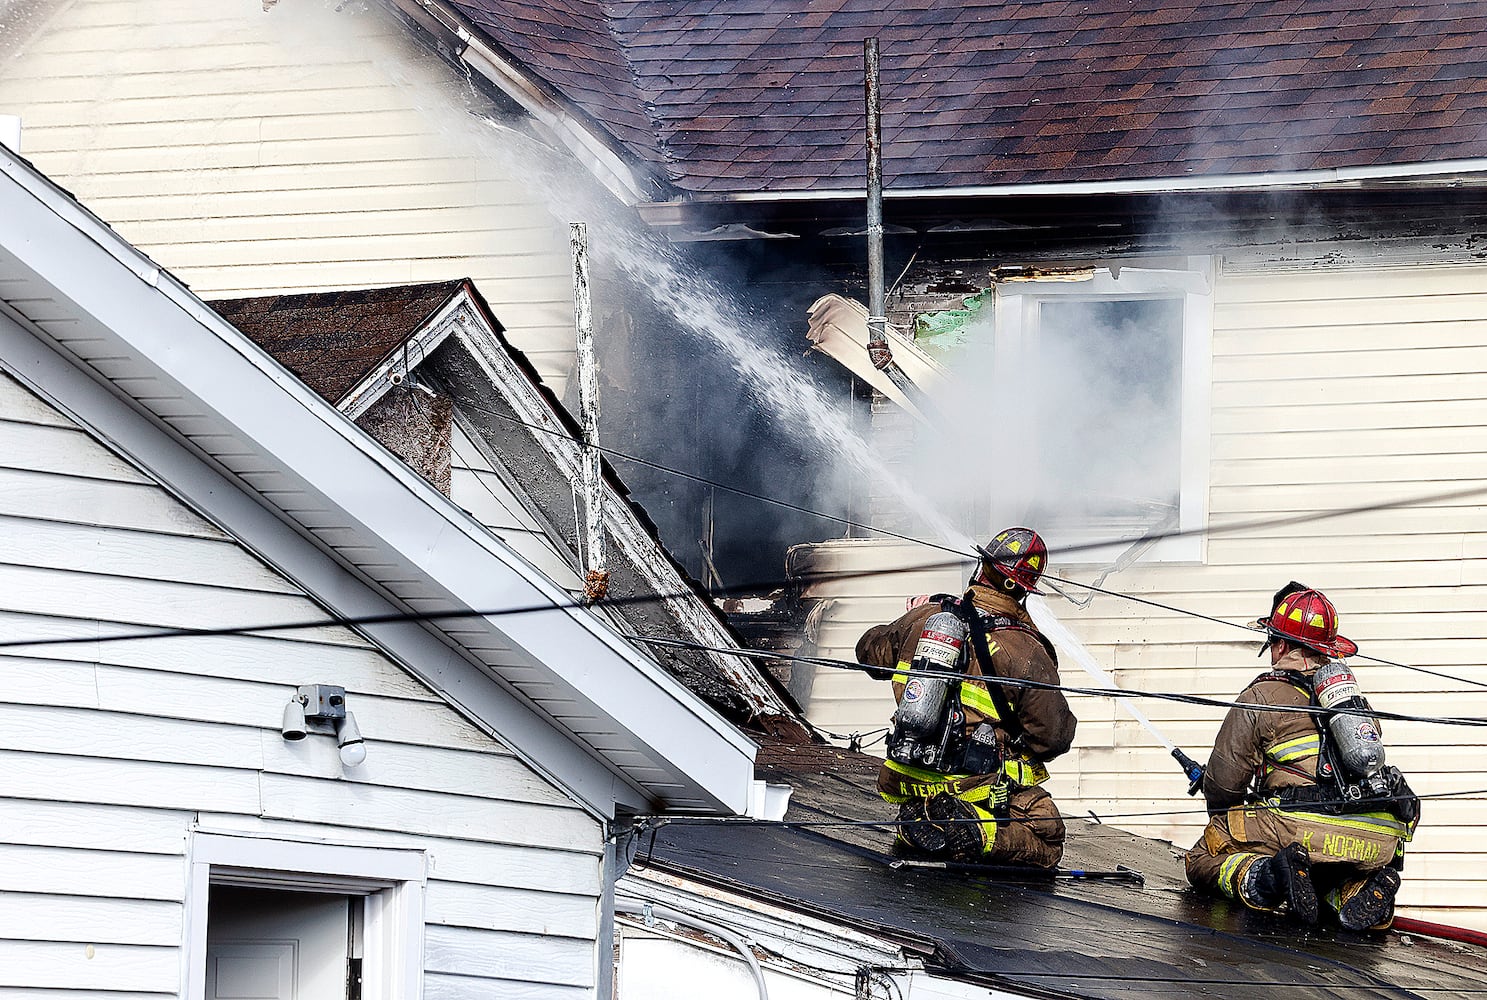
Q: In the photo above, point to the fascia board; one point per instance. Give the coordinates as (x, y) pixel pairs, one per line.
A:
(177, 346)
(495, 710)
(1446, 174)
(812, 941)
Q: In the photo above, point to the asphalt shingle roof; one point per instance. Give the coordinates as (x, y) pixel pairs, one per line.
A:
(333, 340)
(748, 96)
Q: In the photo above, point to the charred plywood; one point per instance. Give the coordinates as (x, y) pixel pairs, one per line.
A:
(411, 362)
(549, 493)
(415, 426)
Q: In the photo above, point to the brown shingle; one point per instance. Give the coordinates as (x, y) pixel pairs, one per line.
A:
(1218, 86)
(332, 340)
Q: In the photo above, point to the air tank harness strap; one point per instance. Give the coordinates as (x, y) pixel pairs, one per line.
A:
(969, 614)
(1020, 768)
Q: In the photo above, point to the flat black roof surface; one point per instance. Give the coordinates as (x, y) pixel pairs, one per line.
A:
(1062, 937)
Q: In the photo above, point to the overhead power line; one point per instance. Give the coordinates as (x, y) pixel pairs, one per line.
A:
(1015, 682)
(1198, 810)
(173, 632)
(1233, 527)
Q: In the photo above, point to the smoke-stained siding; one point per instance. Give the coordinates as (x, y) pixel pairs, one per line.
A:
(1332, 389)
(304, 149)
(114, 752)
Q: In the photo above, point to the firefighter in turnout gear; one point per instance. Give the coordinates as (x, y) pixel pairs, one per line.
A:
(965, 758)
(1305, 818)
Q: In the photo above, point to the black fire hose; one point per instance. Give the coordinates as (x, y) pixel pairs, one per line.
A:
(1023, 872)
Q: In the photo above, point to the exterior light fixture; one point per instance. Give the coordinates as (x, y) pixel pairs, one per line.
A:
(348, 738)
(321, 708)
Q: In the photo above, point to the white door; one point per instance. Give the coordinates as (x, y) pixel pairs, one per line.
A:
(274, 944)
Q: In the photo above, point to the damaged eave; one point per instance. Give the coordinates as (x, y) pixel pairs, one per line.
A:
(451, 32)
(464, 322)
(1444, 175)
(838, 328)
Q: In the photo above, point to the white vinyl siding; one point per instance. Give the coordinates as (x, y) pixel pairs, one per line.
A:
(303, 148)
(1332, 389)
(114, 751)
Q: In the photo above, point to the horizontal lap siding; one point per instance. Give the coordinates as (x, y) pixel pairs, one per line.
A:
(297, 149)
(111, 750)
(1332, 390)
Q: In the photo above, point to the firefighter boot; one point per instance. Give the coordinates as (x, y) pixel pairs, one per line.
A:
(1282, 879)
(1370, 905)
(916, 831)
(964, 827)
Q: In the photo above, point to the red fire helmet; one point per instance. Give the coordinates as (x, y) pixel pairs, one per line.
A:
(1306, 617)
(1019, 555)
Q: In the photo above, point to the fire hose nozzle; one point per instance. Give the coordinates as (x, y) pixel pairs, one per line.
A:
(1191, 768)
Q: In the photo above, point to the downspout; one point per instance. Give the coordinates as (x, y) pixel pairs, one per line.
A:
(650, 912)
(878, 350)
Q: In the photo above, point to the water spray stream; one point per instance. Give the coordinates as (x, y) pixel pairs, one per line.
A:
(1068, 643)
(705, 311)
(701, 309)
(698, 307)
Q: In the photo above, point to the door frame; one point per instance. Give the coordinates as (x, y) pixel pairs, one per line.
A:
(391, 882)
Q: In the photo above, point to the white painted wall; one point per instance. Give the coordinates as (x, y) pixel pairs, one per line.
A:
(309, 147)
(1332, 389)
(113, 751)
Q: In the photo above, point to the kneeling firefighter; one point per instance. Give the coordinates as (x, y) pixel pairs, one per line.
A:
(965, 758)
(1306, 818)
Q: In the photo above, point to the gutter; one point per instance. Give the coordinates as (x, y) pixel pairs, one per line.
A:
(1447, 173)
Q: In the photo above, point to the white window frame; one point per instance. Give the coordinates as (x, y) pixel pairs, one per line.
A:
(1017, 310)
(390, 881)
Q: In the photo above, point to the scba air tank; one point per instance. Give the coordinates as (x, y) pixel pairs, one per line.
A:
(1358, 748)
(922, 723)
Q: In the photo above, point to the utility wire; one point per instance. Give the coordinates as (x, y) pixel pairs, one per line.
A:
(1064, 550)
(1232, 527)
(433, 616)
(1016, 682)
(755, 587)
(354, 621)
(1319, 805)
